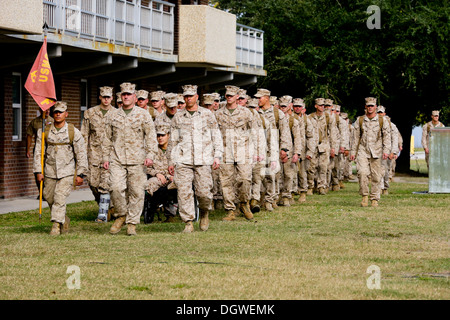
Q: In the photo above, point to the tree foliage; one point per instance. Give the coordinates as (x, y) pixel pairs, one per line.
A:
(324, 48)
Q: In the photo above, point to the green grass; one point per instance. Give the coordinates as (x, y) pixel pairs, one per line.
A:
(319, 250)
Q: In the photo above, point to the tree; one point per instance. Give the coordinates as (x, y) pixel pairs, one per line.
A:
(325, 48)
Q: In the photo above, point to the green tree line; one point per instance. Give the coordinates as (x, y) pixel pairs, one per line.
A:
(318, 48)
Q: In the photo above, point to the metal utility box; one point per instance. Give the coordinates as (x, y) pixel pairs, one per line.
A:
(439, 161)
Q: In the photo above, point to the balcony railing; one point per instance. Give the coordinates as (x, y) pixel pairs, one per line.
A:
(249, 47)
(141, 24)
(145, 24)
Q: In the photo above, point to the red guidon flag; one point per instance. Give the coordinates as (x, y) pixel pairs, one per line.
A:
(40, 83)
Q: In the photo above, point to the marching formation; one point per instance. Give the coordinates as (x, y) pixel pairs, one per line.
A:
(189, 156)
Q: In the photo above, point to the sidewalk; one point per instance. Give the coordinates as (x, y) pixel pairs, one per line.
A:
(31, 203)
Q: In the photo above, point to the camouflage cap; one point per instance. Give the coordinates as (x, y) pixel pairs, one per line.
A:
(371, 101)
(142, 94)
(162, 129)
(299, 102)
(171, 100)
(189, 90)
(273, 100)
(435, 112)
(119, 96)
(381, 109)
(242, 93)
(106, 91)
(181, 98)
(128, 87)
(157, 95)
(208, 98)
(60, 106)
(328, 102)
(320, 101)
(262, 92)
(285, 100)
(337, 107)
(231, 90)
(253, 103)
(216, 96)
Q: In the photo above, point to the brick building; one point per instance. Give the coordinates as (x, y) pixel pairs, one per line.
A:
(92, 43)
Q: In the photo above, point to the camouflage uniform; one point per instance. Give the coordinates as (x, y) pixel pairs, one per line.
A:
(32, 130)
(339, 159)
(371, 142)
(261, 141)
(426, 133)
(194, 143)
(60, 167)
(93, 131)
(278, 122)
(129, 140)
(386, 163)
(327, 132)
(290, 169)
(347, 168)
(237, 129)
(308, 146)
(393, 162)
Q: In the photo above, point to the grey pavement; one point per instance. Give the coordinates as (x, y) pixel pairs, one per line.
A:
(31, 203)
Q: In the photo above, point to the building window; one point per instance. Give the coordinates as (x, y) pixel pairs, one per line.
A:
(84, 98)
(17, 106)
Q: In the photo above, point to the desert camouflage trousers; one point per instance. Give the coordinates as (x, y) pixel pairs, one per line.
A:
(318, 167)
(190, 179)
(55, 193)
(385, 173)
(127, 184)
(98, 178)
(369, 167)
(236, 180)
(302, 176)
(289, 171)
(257, 176)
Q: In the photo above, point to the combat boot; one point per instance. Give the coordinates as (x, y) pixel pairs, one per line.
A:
(204, 220)
(65, 226)
(131, 230)
(245, 209)
(374, 203)
(302, 198)
(285, 202)
(56, 229)
(322, 191)
(230, 216)
(117, 225)
(254, 206)
(268, 206)
(335, 187)
(309, 192)
(365, 201)
(274, 205)
(341, 185)
(385, 191)
(189, 228)
(218, 204)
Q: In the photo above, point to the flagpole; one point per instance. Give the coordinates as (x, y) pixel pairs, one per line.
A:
(41, 184)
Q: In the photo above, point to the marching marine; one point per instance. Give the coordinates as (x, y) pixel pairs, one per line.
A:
(129, 145)
(372, 138)
(65, 154)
